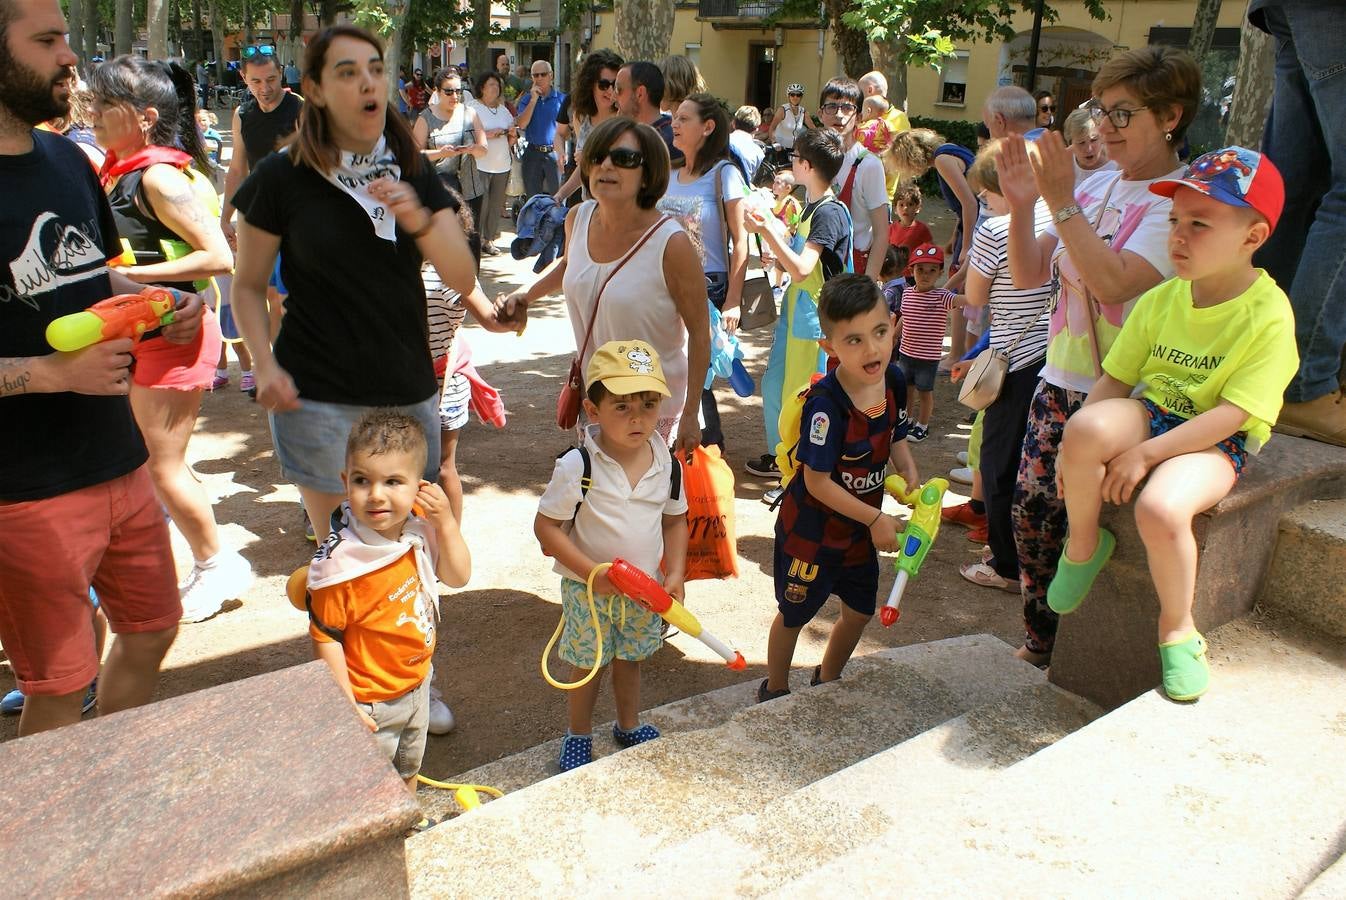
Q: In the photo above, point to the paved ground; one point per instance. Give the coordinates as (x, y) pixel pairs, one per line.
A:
(493, 631)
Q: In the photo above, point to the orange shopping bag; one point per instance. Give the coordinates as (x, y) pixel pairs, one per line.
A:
(709, 483)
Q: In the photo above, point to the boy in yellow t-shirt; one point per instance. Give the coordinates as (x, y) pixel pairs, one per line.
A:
(1214, 349)
(373, 587)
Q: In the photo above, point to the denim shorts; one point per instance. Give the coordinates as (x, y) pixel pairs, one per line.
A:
(1162, 421)
(920, 373)
(311, 441)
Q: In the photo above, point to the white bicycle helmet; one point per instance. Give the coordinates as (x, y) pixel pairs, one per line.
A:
(794, 87)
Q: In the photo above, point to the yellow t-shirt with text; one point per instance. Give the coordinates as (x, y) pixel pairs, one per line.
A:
(1189, 359)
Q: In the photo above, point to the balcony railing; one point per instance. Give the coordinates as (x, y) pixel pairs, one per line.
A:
(737, 9)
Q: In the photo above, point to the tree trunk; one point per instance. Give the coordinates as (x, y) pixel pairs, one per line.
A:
(174, 43)
(644, 28)
(156, 25)
(125, 29)
(852, 46)
(327, 12)
(75, 22)
(888, 60)
(93, 24)
(479, 37)
(216, 37)
(1203, 28)
(1253, 83)
(198, 39)
(397, 15)
(247, 23)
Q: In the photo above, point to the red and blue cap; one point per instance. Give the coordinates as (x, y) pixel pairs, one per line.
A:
(1236, 176)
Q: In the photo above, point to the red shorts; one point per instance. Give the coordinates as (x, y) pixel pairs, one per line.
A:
(112, 535)
(860, 260)
(182, 367)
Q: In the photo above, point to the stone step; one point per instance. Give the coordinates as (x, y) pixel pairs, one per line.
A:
(1106, 650)
(567, 832)
(1310, 558)
(791, 835)
(1239, 794)
(1329, 885)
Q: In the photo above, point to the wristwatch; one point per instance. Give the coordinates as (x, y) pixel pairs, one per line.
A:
(1066, 212)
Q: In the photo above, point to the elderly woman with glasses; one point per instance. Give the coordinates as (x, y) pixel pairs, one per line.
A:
(1106, 243)
(629, 272)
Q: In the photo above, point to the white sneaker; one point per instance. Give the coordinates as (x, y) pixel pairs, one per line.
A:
(205, 591)
(441, 717)
(963, 475)
(961, 456)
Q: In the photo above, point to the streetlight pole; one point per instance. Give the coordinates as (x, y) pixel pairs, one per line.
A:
(1033, 46)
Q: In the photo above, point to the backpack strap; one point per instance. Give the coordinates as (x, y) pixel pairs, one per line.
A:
(674, 478)
(586, 472)
(335, 634)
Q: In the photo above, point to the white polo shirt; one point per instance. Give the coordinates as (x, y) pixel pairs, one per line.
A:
(615, 520)
(869, 192)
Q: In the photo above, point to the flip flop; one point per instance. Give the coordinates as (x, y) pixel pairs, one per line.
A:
(1074, 579)
(1186, 671)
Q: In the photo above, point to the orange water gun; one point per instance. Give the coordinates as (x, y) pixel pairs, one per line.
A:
(647, 592)
(119, 316)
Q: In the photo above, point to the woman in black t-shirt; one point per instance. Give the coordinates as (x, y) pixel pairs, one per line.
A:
(352, 208)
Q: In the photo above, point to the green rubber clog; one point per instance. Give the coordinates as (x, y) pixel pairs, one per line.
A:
(1074, 579)
(1186, 672)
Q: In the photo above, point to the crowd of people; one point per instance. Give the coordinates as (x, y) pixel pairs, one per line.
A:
(1144, 356)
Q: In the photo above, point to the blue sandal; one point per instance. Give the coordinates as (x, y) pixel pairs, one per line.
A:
(638, 735)
(576, 750)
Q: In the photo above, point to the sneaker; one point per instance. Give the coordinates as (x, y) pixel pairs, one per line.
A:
(979, 535)
(963, 514)
(637, 735)
(12, 703)
(773, 497)
(218, 382)
(961, 456)
(90, 697)
(205, 591)
(308, 529)
(918, 433)
(247, 384)
(576, 750)
(763, 694)
(982, 574)
(764, 465)
(962, 475)
(441, 717)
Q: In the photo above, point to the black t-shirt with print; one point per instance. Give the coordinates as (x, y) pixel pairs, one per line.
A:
(354, 329)
(56, 235)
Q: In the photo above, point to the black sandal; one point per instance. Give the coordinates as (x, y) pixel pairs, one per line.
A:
(763, 694)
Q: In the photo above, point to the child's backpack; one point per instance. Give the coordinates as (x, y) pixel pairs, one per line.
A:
(791, 415)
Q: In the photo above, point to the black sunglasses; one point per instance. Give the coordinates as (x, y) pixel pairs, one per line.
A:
(449, 90)
(250, 52)
(605, 84)
(1047, 107)
(796, 95)
(622, 158)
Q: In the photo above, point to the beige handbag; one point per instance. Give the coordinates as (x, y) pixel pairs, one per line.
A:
(986, 378)
(757, 308)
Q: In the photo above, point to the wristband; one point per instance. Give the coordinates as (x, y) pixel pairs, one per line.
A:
(429, 224)
(877, 516)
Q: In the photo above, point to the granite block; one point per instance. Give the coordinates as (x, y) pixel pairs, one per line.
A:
(1107, 649)
(1306, 578)
(267, 785)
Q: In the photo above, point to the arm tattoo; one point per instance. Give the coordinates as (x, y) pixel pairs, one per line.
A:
(15, 375)
(187, 206)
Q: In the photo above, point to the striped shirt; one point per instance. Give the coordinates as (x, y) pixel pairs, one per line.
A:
(924, 321)
(1012, 310)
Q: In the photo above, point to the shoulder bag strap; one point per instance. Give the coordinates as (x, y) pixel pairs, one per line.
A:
(1092, 306)
(719, 200)
(588, 332)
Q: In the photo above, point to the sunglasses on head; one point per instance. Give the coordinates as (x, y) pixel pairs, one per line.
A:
(622, 158)
(605, 84)
(250, 52)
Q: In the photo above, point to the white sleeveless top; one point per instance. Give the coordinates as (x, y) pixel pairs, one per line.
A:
(790, 127)
(636, 305)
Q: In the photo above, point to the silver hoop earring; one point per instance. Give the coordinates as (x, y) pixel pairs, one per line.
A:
(1168, 136)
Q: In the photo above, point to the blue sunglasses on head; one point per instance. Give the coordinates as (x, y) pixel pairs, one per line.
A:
(250, 52)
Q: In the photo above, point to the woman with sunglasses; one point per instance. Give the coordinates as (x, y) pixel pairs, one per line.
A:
(355, 208)
(142, 114)
(592, 103)
(790, 121)
(706, 194)
(656, 293)
(448, 131)
(1106, 244)
(497, 123)
(1046, 114)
